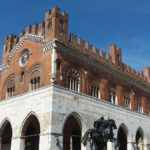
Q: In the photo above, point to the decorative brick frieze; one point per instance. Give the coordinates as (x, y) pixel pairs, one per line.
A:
(4, 67)
(30, 37)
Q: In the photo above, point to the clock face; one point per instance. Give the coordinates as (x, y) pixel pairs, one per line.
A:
(24, 57)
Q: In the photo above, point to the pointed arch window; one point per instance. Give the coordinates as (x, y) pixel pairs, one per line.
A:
(34, 83)
(112, 97)
(73, 80)
(127, 103)
(10, 89)
(35, 80)
(94, 89)
(139, 107)
(58, 65)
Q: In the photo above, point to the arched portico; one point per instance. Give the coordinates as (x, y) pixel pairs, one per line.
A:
(139, 139)
(6, 135)
(122, 137)
(72, 133)
(30, 133)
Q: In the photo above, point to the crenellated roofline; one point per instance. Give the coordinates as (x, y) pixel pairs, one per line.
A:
(30, 37)
(53, 33)
(91, 60)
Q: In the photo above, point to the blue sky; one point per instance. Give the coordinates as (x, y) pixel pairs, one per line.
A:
(100, 22)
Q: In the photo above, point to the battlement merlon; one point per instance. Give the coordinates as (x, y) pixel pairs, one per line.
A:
(147, 73)
(56, 27)
(9, 43)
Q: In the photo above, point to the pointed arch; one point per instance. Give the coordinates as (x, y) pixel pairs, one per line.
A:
(34, 78)
(141, 131)
(26, 118)
(9, 86)
(139, 138)
(72, 130)
(6, 134)
(75, 115)
(73, 78)
(125, 128)
(122, 136)
(30, 132)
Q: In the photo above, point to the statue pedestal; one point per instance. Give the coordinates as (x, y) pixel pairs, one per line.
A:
(131, 146)
(110, 145)
(95, 148)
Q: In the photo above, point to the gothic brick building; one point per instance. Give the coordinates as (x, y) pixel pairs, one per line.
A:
(52, 89)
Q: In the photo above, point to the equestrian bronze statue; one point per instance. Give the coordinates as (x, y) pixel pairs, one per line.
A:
(102, 132)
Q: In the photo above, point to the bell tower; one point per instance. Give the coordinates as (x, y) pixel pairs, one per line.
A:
(56, 25)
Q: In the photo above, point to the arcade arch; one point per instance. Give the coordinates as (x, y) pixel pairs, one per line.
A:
(30, 133)
(72, 133)
(6, 135)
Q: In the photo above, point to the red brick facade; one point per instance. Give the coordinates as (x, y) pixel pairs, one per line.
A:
(82, 69)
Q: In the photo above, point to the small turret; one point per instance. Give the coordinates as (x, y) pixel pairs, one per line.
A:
(9, 43)
(147, 73)
(116, 55)
(56, 25)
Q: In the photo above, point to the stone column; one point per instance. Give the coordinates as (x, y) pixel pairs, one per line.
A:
(131, 146)
(110, 146)
(45, 142)
(54, 57)
(17, 144)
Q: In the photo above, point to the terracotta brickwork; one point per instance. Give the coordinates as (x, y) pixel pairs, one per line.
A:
(81, 68)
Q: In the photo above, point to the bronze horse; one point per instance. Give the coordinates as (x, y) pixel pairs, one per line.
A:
(102, 132)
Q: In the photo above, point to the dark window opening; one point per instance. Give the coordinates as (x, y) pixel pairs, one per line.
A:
(94, 91)
(35, 83)
(59, 66)
(10, 91)
(73, 84)
(72, 135)
(50, 24)
(61, 24)
(22, 76)
(6, 137)
(122, 139)
(31, 132)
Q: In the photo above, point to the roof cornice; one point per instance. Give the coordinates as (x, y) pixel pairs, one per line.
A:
(93, 62)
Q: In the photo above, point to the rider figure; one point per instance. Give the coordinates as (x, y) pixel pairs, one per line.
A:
(98, 123)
